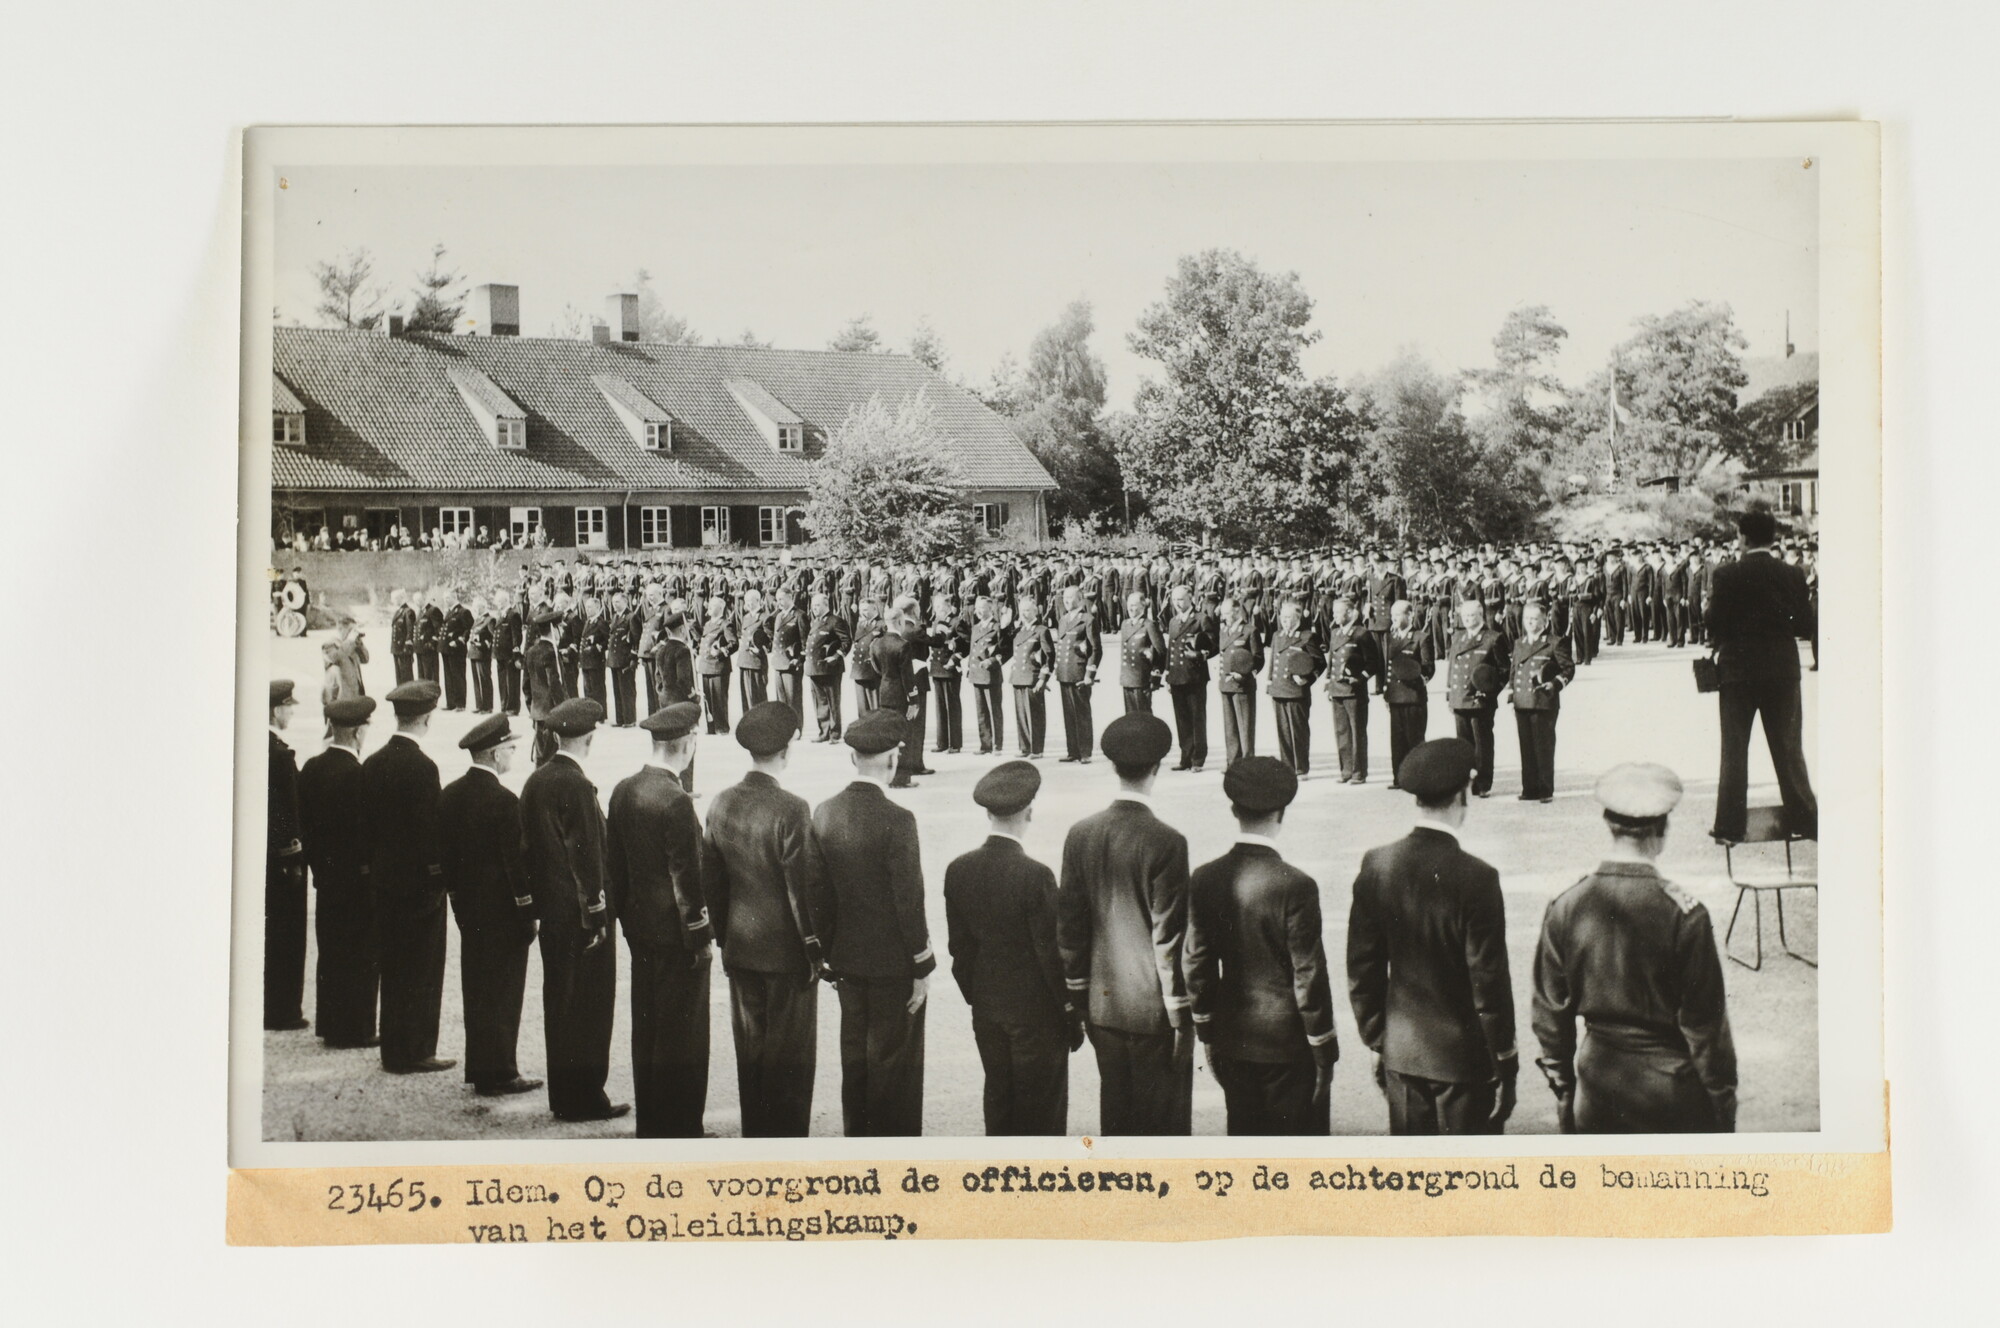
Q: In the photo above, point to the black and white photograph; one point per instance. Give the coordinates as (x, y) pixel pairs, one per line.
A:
(1168, 636)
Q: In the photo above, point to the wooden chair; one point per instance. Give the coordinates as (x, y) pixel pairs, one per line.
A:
(1765, 825)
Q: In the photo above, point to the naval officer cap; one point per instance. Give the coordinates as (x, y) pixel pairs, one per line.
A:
(417, 697)
(1008, 788)
(575, 717)
(281, 692)
(487, 733)
(1486, 678)
(1260, 784)
(349, 711)
(1435, 770)
(1638, 792)
(766, 727)
(1137, 740)
(876, 732)
(673, 721)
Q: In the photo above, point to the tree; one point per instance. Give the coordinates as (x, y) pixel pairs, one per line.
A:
(1428, 476)
(1679, 375)
(858, 335)
(574, 324)
(1760, 427)
(440, 297)
(889, 485)
(1526, 402)
(655, 323)
(345, 297)
(1056, 408)
(1233, 439)
(747, 340)
(927, 347)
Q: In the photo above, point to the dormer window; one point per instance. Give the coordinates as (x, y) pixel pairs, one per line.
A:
(510, 433)
(649, 423)
(288, 429)
(659, 436)
(782, 427)
(791, 438)
(498, 415)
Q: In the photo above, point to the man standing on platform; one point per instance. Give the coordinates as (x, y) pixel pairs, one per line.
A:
(400, 784)
(284, 877)
(1121, 917)
(653, 883)
(479, 831)
(333, 810)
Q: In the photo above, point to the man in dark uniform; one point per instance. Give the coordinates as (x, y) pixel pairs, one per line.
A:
(1409, 667)
(403, 636)
(479, 833)
(762, 873)
(1191, 643)
(899, 658)
(1256, 967)
(333, 811)
(788, 654)
(569, 644)
(563, 828)
(592, 648)
(1142, 654)
(1427, 963)
(1296, 664)
(881, 957)
(673, 670)
(1239, 659)
(400, 786)
(949, 640)
(542, 679)
(1352, 659)
(479, 655)
(1000, 916)
(284, 877)
(429, 636)
(712, 662)
(869, 627)
(1633, 956)
(621, 654)
(1385, 588)
(827, 642)
(1028, 670)
(510, 642)
(1481, 657)
(1121, 917)
(1079, 650)
(987, 644)
(454, 639)
(753, 645)
(653, 883)
(1541, 668)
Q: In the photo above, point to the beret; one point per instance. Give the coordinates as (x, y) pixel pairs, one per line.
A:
(574, 717)
(1639, 790)
(877, 732)
(281, 691)
(766, 728)
(350, 710)
(488, 732)
(1260, 784)
(672, 721)
(1437, 769)
(1007, 788)
(1137, 739)
(416, 697)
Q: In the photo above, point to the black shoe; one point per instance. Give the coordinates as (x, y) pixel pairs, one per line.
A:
(612, 1112)
(1524, 797)
(1550, 798)
(429, 1065)
(351, 1046)
(1482, 793)
(1083, 760)
(1065, 760)
(515, 1085)
(902, 783)
(288, 1025)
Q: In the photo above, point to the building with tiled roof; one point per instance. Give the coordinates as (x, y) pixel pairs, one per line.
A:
(607, 444)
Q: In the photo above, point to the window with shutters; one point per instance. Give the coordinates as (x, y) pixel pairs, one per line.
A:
(655, 527)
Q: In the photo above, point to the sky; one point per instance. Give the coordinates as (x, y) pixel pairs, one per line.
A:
(1401, 256)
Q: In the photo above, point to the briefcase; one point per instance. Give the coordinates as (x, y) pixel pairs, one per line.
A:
(1706, 676)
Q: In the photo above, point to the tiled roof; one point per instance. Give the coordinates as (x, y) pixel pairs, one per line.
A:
(774, 410)
(382, 413)
(283, 402)
(489, 393)
(633, 399)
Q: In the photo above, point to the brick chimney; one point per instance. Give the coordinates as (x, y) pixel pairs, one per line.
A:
(393, 325)
(492, 310)
(622, 313)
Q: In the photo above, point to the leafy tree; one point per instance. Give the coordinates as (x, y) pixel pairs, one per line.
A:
(1429, 477)
(889, 485)
(1760, 427)
(345, 297)
(1526, 403)
(574, 324)
(1055, 405)
(858, 335)
(1679, 375)
(927, 348)
(440, 297)
(747, 340)
(655, 323)
(1233, 439)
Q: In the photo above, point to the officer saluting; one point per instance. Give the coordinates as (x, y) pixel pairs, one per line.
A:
(400, 784)
(1633, 956)
(1256, 966)
(1000, 913)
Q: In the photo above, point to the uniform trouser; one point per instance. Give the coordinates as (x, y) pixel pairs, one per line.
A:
(412, 977)
(826, 705)
(775, 1019)
(1677, 631)
(1407, 726)
(1537, 730)
(406, 669)
(1293, 717)
(669, 1042)
(492, 980)
(1476, 727)
(867, 695)
(1027, 1077)
(1623, 1090)
(949, 701)
(787, 683)
(284, 942)
(482, 686)
(910, 757)
(1778, 701)
(568, 669)
(348, 975)
(1239, 727)
(625, 695)
(579, 999)
(1191, 720)
(1433, 1106)
(1381, 640)
(1031, 719)
(1138, 700)
(545, 744)
(652, 686)
(454, 680)
(1582, 634)
(881, 1059)
(715, 696)
(427, 665)
(1635, 619)
(1139, 1089)
(1270, 1097)
(751, 688)
(990, 717)
(510, 686)
(594, 687)
(1350, 733)
(1079, 737)
(1614, 622)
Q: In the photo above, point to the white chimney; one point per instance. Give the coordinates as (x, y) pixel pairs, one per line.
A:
(492, 310)
(622, 312)
(599, 332)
